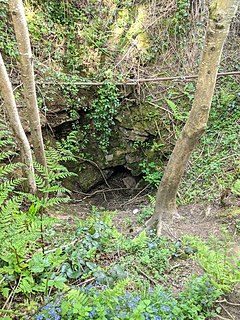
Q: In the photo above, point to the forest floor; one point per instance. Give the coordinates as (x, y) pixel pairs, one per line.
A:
(206, 221)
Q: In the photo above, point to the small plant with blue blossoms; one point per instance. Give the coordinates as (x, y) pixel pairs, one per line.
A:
(96, 302)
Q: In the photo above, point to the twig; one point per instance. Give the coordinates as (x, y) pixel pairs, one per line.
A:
(228, 302)
(18, 86)
(137, 195)
(227, 312)
(11, 300)
(2, 279)
(11, 312)
(170, 232)
(222, 317)
(61, 247)
(86, 282)
(12, 293)
(231, 155)
(162, 108)
(55, 249)
(145, 275)
(174, 267)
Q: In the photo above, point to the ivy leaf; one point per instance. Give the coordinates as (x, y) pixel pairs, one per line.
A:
(118, 273)
(91, 266)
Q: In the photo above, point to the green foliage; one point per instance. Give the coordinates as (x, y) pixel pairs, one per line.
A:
(236, 187)
(238, 225)
(181, 21)
(48, 180)
(174, 108)
(102, 112)
(152, 173)
(21, 228)
(7, 41)
(217, 262)
(213, 166)
(145, 214)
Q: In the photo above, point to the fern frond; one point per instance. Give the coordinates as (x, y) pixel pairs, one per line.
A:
(53, 157)
(6, 154)
(54, 201)
(10, 207)
(9, 168)
(3, 196)
(40, 169)
(31, 197)
(62, 175)
(57, 189)
(10, 185)
(78, 295)
(40, 182)
(6, 142)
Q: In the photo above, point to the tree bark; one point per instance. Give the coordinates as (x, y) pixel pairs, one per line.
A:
(220, 15)
(27, 74)
(13, 116)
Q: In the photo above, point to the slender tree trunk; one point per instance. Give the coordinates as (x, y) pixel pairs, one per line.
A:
(27, 74)
(13, 116)
(220, 15)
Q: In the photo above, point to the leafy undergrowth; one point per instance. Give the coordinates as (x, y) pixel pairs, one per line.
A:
(88, 270)
(214, 167)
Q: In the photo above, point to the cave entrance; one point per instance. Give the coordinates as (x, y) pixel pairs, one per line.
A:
(121, 190)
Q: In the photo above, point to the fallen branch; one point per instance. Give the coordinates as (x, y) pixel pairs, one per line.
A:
(89, 195)
(175, 267)
(133, 82)
(222, 317)
(228, 302)
(136, 196)
(227, 312)
(145, 275)
(86, 282)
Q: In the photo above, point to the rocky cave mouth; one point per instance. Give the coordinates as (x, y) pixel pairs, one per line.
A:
(123, 178)
(117, 191)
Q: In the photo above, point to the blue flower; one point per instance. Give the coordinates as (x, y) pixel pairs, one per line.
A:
(92, 313)
(155, 310)
(165, 308)
(136, 299)
(147, 315)
(52, 312)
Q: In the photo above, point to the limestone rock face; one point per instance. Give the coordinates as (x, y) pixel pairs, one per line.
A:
(135, 131)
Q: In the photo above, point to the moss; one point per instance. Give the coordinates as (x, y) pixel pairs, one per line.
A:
(137, 29)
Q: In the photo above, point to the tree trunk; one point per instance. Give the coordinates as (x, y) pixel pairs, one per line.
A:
(12, 113)
(27, 74)
(220, 15)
